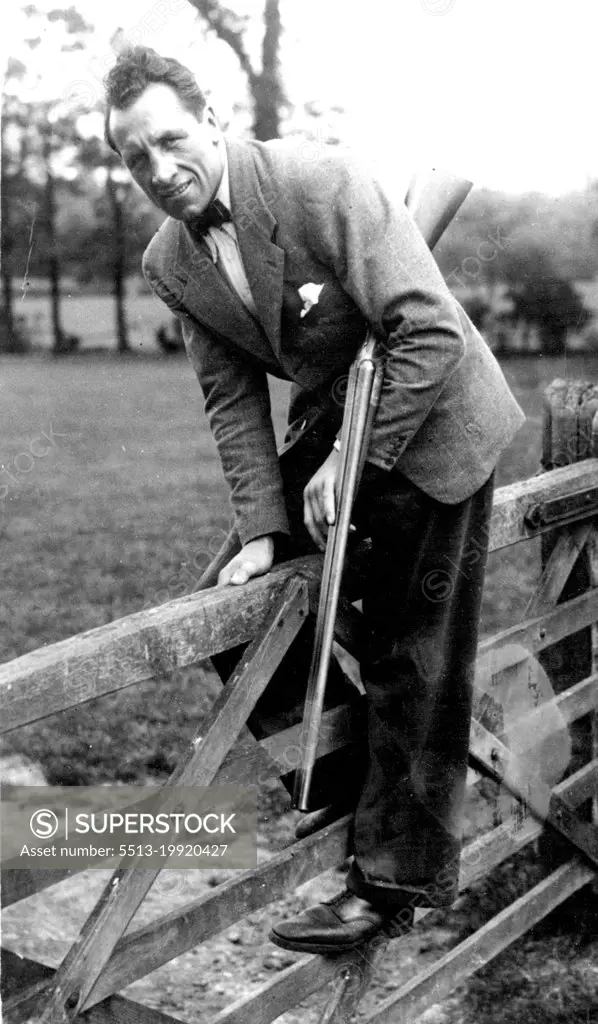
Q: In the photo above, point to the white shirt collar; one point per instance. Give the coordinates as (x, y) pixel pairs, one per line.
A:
(223, 193)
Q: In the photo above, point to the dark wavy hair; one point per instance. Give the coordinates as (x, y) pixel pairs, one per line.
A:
(135, 69)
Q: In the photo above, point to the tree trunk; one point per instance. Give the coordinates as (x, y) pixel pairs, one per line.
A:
(59, 340)
(265, 87)
(268, 95)
(118, 265)
(54, 269)
(9, 338)
(553, 340)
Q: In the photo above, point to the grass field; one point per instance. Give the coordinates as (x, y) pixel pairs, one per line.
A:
(113, 500)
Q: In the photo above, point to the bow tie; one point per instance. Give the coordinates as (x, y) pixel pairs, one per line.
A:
(214, 216)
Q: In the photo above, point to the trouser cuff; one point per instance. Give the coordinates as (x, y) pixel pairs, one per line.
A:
(394, 898)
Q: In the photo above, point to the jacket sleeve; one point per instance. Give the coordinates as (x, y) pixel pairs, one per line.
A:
(237, 404)
(383, 262)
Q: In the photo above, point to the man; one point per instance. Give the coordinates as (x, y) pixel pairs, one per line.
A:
(275, 264)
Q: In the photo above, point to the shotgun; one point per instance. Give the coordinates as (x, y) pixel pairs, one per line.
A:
(433, 202)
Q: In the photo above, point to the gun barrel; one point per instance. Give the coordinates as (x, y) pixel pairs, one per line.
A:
(365, 380)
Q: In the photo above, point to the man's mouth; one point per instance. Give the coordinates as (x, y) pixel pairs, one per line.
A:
(173, 193)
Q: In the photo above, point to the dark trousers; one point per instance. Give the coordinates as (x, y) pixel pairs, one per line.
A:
(421, 605)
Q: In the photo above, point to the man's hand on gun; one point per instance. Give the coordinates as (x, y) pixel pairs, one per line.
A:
(319, 509)
(320, 500)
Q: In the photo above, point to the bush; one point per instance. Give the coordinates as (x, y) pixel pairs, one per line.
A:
(477, 309)
(69, 343)
(18, 340)
(171, 342)
(541, 297)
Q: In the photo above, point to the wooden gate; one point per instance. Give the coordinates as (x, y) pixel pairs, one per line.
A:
(560, 504)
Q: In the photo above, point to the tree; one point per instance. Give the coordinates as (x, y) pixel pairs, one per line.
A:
(53, 138)
(265, 85)
(13, 116)
(111, 225)
(116, 191)
(41, 132)
(561, 225)
(543, 298)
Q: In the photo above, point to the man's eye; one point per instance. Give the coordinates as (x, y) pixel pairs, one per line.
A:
(169, 143)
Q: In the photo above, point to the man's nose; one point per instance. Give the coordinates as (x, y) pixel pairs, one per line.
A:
(163, 169)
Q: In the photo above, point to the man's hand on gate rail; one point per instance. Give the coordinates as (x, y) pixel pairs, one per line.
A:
(319, 500)
(254, 559)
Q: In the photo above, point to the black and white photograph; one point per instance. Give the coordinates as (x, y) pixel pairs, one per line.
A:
(299, 512)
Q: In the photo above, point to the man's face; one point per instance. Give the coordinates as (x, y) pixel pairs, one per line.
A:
(177, 160)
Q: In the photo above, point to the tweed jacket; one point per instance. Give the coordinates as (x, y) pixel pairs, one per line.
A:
(445, 412)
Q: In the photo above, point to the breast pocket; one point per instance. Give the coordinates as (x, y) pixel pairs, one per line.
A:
(323, 335)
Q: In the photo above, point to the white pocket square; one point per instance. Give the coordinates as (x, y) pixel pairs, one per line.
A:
(310, 296)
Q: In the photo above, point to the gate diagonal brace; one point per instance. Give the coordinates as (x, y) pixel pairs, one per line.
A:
(515, 774)
(569, 546)
(77, 975)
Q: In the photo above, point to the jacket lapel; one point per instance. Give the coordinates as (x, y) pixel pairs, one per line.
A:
(263, 260)
(206, 294)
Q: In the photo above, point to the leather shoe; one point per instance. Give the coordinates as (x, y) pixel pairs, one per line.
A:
(337, 925)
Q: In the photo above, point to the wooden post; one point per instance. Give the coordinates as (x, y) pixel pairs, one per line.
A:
(593, 564)
(571, 434)
(570, 659)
